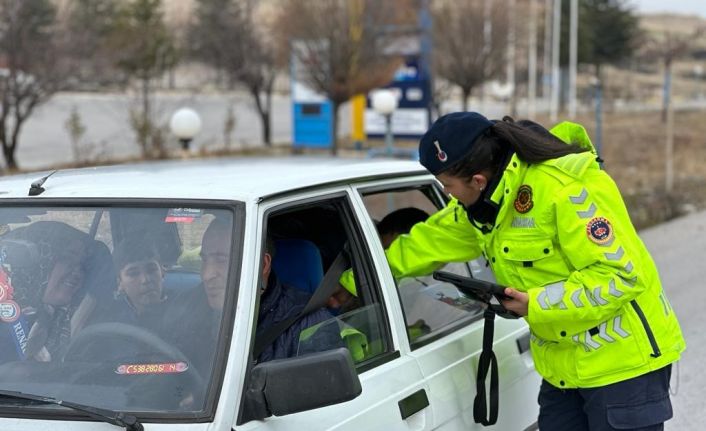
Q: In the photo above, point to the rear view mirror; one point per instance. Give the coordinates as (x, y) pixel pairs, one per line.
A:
(286, 386)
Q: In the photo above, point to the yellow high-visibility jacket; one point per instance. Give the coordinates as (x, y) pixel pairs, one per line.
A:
(597, 311)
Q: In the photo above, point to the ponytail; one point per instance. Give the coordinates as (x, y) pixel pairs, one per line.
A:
(492, 150)
(531, 142)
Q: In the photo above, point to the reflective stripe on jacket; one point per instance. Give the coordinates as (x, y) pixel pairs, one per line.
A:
(597, 311)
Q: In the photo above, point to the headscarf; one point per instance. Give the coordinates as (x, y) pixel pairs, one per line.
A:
(30, 254)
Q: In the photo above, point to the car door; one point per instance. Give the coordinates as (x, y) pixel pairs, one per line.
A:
(394, 392)
(449, 346)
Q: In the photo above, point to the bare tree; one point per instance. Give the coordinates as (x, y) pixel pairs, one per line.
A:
(30, 73)
(343, 45)
(460, 56)
(667, 49)
(76, 130)
(225, 35)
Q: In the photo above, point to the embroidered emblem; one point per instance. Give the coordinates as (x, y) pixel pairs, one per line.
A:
(523, 202)
(599, 230)
(9, 311)
(440, 154)
(523, 222)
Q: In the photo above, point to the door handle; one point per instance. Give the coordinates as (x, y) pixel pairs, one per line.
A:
(523, 342)
(413, 403)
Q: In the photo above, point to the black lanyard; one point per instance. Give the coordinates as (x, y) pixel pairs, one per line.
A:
(487, 362)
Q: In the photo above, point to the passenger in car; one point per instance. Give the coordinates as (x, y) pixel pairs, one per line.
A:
(46, 261)
(398, 222)
(139, 298)
(197, 314)
(394, 224)
(280, 302)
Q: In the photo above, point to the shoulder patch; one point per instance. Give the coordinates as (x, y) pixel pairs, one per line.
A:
(599, 230)
(523, 201)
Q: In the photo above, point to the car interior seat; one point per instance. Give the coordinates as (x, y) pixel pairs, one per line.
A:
(100, 284)
(297, 262)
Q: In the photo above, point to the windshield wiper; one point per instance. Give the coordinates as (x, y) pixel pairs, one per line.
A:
(129, 422)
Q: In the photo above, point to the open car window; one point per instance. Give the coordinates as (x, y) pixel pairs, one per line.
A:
(432, 308)
(112, 307)
(306, 241)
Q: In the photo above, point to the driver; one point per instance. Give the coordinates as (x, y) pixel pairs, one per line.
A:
(278, 303)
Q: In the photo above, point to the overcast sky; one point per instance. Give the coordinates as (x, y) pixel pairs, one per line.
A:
(694, 7)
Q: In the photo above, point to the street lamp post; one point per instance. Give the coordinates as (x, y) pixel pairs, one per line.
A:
(185, 124)
(384, 103)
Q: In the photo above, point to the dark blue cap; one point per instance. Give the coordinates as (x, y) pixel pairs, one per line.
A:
(450, 139)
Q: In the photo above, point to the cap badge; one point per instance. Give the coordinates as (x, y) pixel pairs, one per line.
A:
(523, 202)
(440, 154)
(599, 230)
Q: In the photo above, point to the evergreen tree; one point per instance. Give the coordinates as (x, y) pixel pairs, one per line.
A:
(145, 50)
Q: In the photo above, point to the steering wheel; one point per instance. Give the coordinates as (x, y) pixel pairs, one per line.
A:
(97, 334)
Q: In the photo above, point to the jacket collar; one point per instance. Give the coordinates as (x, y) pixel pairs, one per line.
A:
(508, 185)
(271, 296)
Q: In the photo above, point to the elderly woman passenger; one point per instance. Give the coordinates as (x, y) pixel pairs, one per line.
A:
(46, 263)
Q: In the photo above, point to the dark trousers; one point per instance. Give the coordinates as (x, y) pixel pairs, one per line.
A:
(641, 403)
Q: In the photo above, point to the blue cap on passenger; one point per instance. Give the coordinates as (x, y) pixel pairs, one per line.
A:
(450, 139)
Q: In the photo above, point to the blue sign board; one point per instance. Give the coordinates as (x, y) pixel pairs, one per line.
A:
(313, 124)
(412, 116)
(312, 112)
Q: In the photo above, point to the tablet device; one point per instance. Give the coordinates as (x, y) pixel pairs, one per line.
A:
(480, 290)
(473, 286)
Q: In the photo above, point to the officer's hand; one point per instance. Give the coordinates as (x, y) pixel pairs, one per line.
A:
(518, 303)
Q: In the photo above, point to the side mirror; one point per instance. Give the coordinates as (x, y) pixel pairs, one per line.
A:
(286, 386)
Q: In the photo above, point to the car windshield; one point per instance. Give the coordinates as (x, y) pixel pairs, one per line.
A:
(114, 307)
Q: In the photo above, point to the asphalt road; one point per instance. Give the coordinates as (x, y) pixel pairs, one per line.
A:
(679, 249)
(44, 140)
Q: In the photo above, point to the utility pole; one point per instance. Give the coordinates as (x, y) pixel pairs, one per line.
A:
(669, 148)
(546, 50)
(424, 20)
(487, 39)
(556, 78)
(573, 56)
(511, 57)
(532, 61)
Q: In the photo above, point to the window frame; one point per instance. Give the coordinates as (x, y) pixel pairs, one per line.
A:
(439, 199)
(341, 198)
(357, 249)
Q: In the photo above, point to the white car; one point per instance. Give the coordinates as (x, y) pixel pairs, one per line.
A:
(79, 352)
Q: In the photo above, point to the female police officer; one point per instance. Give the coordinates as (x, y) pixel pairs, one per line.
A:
(553, 226)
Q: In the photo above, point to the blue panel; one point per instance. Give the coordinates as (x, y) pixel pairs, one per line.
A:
(313, 124)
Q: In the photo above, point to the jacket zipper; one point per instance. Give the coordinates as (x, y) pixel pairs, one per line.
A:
(655, 348)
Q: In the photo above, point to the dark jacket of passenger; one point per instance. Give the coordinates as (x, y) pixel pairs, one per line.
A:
(280, 302)
(121, 310)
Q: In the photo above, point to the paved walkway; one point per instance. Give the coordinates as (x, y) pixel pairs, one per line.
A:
(679, 249)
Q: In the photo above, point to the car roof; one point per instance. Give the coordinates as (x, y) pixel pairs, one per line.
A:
(245, 178)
